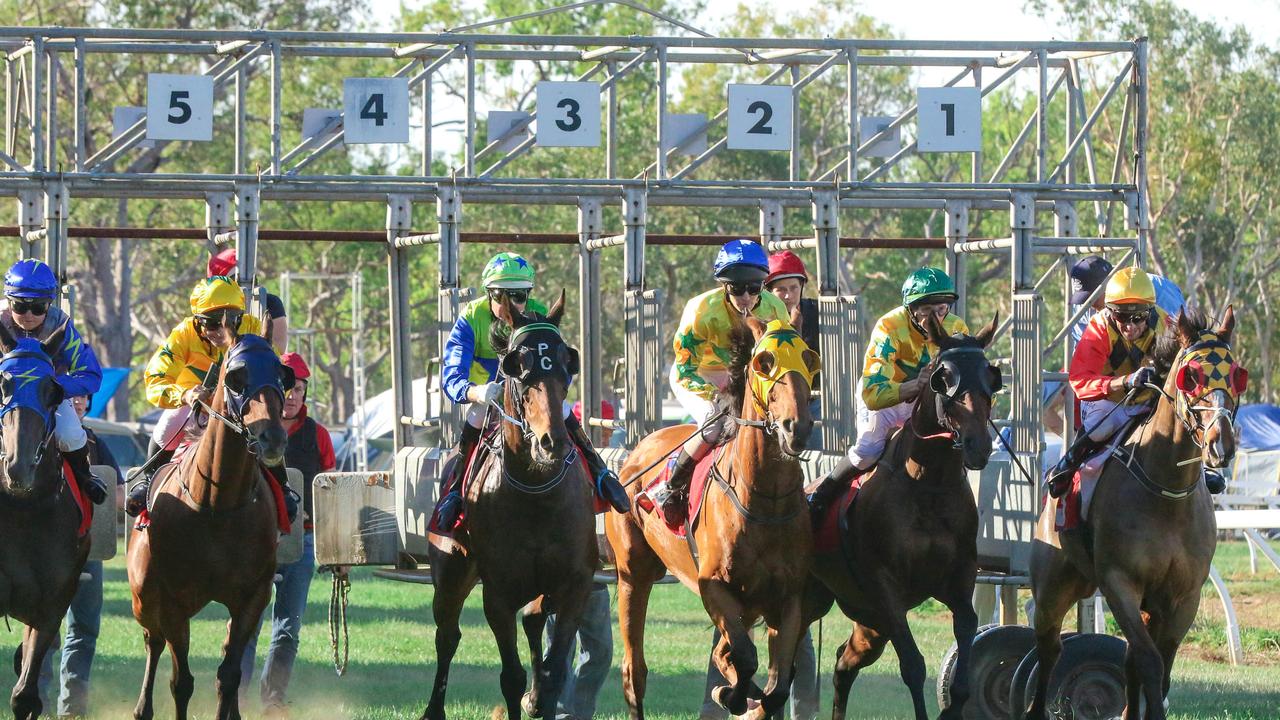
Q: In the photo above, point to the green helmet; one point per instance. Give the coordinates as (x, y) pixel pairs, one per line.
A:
(507, 270)
(926, 283)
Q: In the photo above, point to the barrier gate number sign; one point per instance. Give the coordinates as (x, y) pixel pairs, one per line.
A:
(568, 114)
(179, 107)
(759, 117)
(950, 119)
(375, 110)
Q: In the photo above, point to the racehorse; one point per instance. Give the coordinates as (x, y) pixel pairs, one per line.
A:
(753, 538)
(912, 529)
(529, 531)
(41, 556)
(1151, 533)
(213, 528)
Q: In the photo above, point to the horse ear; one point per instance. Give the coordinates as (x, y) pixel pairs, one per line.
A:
(7, 343)
(756, 326)
(556, 314)
(933, 331)
(1188, 333)
(797, 319)
(986, 334)
(54, 342)
(1228, 324)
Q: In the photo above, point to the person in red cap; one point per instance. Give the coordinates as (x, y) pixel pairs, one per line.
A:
(310, 450)
(787, 278)
(224, 263)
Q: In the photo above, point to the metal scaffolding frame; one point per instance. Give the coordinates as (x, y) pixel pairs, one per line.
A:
(44, 172)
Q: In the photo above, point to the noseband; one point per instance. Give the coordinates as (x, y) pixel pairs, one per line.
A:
(944, 396)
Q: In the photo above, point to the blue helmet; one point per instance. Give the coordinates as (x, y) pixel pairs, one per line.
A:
(741, 261)
(30, 278)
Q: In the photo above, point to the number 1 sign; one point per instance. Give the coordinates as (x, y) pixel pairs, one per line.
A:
(950, 119)
(759, 117)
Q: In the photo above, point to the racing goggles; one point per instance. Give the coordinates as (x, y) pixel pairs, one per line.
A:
(218, 319)
(39, 308)
(737, 289)
(517, 296)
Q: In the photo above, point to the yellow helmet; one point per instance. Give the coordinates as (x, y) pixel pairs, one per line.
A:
(215, 293)
(1131, 286)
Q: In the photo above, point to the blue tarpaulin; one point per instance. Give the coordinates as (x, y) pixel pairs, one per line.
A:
(111, 379)
(1258, 427)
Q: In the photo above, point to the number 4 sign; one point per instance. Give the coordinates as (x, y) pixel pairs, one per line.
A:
(375, 110)
(950, 119)
(759, 117)
(179, 107)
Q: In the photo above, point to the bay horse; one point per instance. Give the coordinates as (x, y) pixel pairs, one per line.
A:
(41, 554)
(529, 530)
(1151, 533)
(912, 530)
(213, 528)
(754, 540)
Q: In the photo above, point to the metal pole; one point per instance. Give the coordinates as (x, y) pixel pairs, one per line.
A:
(247, 202)
(449, 217)
(661, 169)
(51, 110)
(241, 111)
(357, 371)
(276, 92)
(81, 93)
(1140, 126)
(851, 98)
(1042, 115)
(469, 136)
(36, 83)
(399, 221)
(426, 122)
(793, 155)
(55, 213)
(641, 370)
(589, 317)
(976, 169)
(611, 125)
(957, 231)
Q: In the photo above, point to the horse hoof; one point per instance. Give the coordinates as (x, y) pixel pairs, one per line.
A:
(720, 696)
(530, 705)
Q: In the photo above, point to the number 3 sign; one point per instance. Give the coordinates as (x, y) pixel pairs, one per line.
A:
(568, 114)
(950, 119)
(759, 117)
(179, 107)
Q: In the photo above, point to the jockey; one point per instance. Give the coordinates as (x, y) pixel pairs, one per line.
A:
(896, 354)
(30, 288)
(1108, 364)
(699, 373)
(182, 373)
(470, 369)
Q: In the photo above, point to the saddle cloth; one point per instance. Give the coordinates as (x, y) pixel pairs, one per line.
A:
(697, 490)
(833, 523)
(1073, 506)
(82, 503)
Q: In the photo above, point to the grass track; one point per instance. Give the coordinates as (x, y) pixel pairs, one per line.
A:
(392, 660)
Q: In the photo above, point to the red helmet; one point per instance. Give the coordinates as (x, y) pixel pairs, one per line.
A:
(224, 263)
(606, 410)
(294, 362)
(785, 264)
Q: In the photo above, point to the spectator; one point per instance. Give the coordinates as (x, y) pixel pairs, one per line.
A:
(277, 330)
(593, 648)
(787, 279)
(84, 616)
(310, 450)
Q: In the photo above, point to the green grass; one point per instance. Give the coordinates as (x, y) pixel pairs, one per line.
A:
(392, 660)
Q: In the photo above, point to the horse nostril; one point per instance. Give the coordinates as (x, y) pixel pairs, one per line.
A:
(789, 424)
(547, 443)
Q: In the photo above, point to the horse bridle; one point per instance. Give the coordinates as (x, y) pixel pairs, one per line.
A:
(50, 423)
(943, 398)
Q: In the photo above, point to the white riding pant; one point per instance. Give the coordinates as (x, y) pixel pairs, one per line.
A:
(67, 429)
(1095, 412)
(176, 426)
(874, 429)
(700, 409)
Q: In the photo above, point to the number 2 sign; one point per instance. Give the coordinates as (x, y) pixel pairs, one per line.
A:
(950, 119)
(179, 107)
(375, 110)
(759, 117)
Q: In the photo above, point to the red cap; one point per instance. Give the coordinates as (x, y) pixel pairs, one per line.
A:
(606, 410)
(785, 264)
(224, 263)
(294, 362)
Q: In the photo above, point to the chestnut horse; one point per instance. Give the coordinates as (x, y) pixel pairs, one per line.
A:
(213, 530)
(754, 538)
(40, 555)
(1151, 533)
(529, 531)
(912, 531)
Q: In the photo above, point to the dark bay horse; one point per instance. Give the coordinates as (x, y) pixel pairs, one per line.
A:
(213, 530)
(1152, 532)
(41, 556)
(529, 531)
(754, 539)
(912, 530)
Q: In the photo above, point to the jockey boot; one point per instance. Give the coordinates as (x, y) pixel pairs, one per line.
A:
(831, 486)
(1059, 476)
(290, 495)
(1214, 481)
(90, 484)
(675, 502)
(136, 501)
(605, 480)
(449, 509)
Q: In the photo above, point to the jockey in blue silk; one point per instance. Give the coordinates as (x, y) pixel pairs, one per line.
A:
(30, 310)
(469, 372)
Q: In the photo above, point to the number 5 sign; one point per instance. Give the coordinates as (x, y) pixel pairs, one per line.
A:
(375, 110)
(179, 107)
(950, 119)
(759, 117)
(568, 114)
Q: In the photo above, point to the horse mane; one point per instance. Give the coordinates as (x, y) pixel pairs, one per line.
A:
(741, 343)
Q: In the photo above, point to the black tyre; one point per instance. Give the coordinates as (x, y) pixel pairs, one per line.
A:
(997, 652)
(1021, 689)
(1088, 681)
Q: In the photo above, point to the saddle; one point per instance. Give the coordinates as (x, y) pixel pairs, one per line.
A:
(1074, 505)
(834, 522)
(697, 491)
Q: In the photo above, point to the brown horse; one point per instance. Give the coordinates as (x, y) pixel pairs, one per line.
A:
(912, 530)
(753, 538)
(1151, 534)
(213, 534)
(529, 530)
(41, 556)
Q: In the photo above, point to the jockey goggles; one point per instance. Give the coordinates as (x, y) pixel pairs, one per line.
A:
(38, 308)
(1131, 317)
(216, 319)
(518, 296)
(738, 289)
